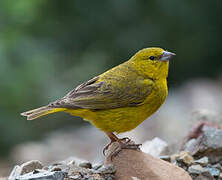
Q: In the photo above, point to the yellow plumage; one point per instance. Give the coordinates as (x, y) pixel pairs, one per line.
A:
(121, 98)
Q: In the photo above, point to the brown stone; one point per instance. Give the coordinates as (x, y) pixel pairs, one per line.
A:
(134, 163)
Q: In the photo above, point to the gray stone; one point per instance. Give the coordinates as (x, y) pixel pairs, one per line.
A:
(31, 166)
(165, 158)
(108, 169)
(76, 161)
(76, 177)
(76, 170)
(156, 147)
(213, 171)
(110, 178)
(56, 175)
(91, 178)
(85, 165)
(196, 169)
(97, 166)
(189, 145)
(218, 166)
(208, 144)
(59, 167)
(202, 161)
(17, 170)
(212, 138)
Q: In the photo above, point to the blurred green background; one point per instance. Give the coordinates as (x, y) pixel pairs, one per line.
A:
(49, 47)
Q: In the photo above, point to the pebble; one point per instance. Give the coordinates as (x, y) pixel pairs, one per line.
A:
(213, 171)
(156, 147)
(97, 166)
(31, 166)
(218, 166)
(85, 165)
(108, 169)
(185, 157)
(190, 145)
(75, 177)
(202, 161)
(59, 167)
(196, 169)
(209, 143)
(17, 170)
(165, 158)
(72, 162)
(56, 175)
(77, 162)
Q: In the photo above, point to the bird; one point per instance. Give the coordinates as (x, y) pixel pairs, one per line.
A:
(119, 99)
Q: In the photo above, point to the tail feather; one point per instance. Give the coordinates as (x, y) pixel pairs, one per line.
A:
(42, 111)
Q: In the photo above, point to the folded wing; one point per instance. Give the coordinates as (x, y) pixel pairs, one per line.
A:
(99, 93)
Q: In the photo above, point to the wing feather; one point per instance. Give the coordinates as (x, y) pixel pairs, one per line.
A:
(105, 93)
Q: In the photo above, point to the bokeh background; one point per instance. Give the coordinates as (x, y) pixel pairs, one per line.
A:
(49, 47)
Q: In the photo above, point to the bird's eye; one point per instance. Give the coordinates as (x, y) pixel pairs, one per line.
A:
(151, 57)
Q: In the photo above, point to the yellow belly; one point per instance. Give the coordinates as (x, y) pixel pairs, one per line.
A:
(126, 118)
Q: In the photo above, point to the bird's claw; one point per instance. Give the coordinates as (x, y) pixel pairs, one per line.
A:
(127, 145)
(124, 140)
(107, 147)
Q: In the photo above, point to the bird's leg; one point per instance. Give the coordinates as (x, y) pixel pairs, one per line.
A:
(112, 138)
(124, 143)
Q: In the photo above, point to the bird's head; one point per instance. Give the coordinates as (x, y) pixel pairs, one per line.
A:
(153, 62)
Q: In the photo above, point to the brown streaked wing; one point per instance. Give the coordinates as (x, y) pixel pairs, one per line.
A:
(104, 95)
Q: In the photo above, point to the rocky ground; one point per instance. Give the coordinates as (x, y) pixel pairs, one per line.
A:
(200, 156)
(71, 168)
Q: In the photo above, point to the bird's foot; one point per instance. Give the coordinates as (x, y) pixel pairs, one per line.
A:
(107, 147)
(122, 140)
(127, 144)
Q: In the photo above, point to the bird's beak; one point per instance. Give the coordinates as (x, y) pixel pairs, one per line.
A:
(166, 56)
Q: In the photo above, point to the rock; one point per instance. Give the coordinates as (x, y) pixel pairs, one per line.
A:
(77, 162)
(165, 158)
(185, 157)
(86, 165)
(202, 161)
(135, 178)
(97, 166)
(59, 167)
(31, 166)
(189, 145)
(155, 147)
(204, 176)
(107, 169)
(17, 170)
(134, 163)
(218, 166)
(208, 144)
(56, 175)
(76, 170)
(196, 169)
(213, 171)
(74, 177)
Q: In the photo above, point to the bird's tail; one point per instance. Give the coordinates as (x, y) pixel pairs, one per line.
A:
(42, 111)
